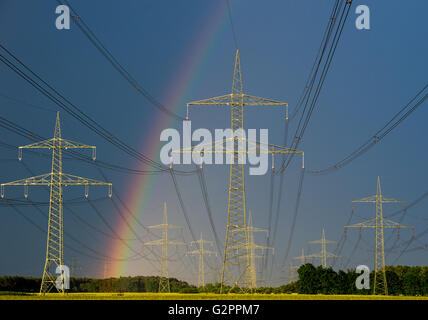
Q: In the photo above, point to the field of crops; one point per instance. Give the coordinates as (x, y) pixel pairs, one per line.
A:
(179, 296)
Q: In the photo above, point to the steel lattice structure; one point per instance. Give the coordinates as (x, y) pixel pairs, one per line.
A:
(323, 255)
(164, 242)
(252, 247)
(236, 258)
(379, 223)
(56, 179)
(201, 251)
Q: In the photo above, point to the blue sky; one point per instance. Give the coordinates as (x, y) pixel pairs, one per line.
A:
(374, 73)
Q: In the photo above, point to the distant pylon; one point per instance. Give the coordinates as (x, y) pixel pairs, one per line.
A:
(215, 274)
(252, 248)
(73, 267)
(323, 254)
(236, 258)
(164, 242)
(291, 269)
(201, 251)
(106, 269)
(302, 257)
(379, 223)
(56, 179)
(291, 273)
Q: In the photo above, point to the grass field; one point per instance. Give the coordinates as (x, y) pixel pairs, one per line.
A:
(198, 296)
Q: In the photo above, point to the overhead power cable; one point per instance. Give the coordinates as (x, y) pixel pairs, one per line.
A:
(81, 24)
(398, 118)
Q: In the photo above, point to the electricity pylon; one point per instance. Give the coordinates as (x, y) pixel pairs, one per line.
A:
(56, 179)
(236, 258)
(379, 223)
(252, 251)
(201, 251)
(106, 267)
(291, 272)
(164, 242)
(302, 257)
(323, 254)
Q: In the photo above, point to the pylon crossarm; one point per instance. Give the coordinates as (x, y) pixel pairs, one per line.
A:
(225, 146)
(50, 143)
(392, 224)
(373, 199)
(258, 101)
(42, 180)
(237, 98)
(255, 229)
(176, 243)
(331, 255)
(256, 246)
(371, 223)
(153, 243)
(392, 200)
(193, 253)
(201, 241)
(45, 144)
(366, 199)
(68, 179)
(160, 226)
(197, 252)
(224, 100)
(321, 241)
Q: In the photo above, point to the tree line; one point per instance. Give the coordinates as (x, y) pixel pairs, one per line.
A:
(401, 280)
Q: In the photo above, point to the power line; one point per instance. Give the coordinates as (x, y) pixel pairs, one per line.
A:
(232, 26)
(379, 135)
(74, 111)
(79, 21)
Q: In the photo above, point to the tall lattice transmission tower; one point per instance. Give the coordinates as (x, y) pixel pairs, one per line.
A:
(252, 251)
(236, 258)
(56, 179)
(201, 251)
(379, 223)
(323, 255)
(164, 242)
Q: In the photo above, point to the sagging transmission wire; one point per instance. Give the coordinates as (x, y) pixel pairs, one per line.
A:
(19, 130)
(41, 229)
(76, 112)
(79, 21)
(82, 117)
(205, 193)
(91, 202)
(399, 117)
(308, 99)
(72, 155)
(340, 12)
(67, 208)
(24, 203)
(232, 25)
(341, 243)
(411, 204)
(353, 250)
(270, 239)
(152, 251)
(296, 210)
(27, 104)
(270, 209)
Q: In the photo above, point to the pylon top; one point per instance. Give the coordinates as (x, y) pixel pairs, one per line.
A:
(237, 96)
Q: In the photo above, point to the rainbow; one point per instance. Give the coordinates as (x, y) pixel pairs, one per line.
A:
(142, 188)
